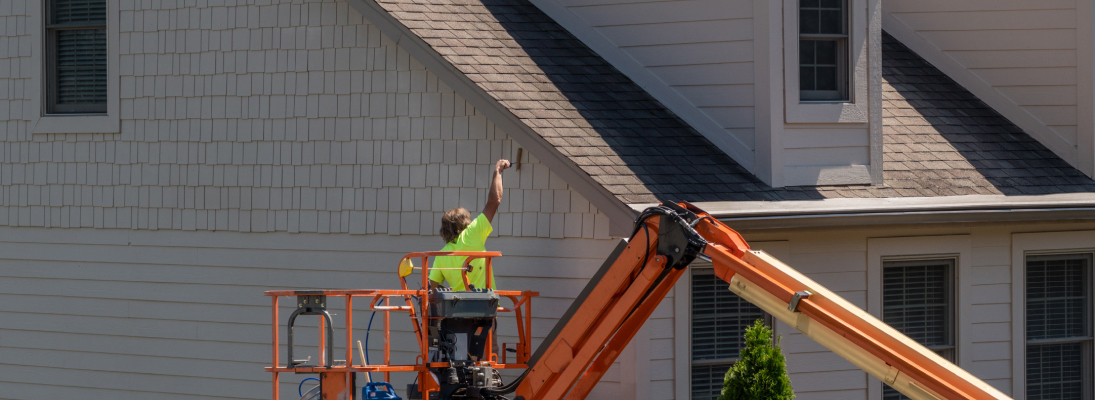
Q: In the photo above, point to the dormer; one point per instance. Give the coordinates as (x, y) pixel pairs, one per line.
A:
(790, 89)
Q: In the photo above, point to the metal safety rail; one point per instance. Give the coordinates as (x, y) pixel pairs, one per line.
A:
(315, 302)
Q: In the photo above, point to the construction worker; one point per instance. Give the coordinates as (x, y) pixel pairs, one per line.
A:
(461, 233)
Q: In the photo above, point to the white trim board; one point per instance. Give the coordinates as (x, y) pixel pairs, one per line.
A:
(890, 211)
(984, 91)
(1085, 86)
(854, 111)
(1034, 243)
(740, 209)
(957, 247)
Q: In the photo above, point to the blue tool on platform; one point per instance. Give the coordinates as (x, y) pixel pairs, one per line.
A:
(379, 391)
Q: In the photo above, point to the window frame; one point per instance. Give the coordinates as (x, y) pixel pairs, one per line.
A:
(842, 94)
(960, 248)
(951, 287)
(1087, 341)
(1042, 243)
(50, 62)
(703, 267)
(855, 109)
(42, 122)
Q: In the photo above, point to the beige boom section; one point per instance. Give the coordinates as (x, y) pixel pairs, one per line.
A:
(180, 315)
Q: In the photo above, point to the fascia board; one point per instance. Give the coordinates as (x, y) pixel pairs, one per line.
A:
(619, 214)
(909, 210)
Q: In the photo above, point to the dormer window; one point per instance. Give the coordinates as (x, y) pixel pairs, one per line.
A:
(823, 50)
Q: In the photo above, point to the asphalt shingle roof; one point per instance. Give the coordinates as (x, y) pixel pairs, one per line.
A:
(939, 139)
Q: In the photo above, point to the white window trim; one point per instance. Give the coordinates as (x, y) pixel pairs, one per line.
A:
(957, 247)
(43, 123)
(1024, 244)
(682, 321)
(855, 111)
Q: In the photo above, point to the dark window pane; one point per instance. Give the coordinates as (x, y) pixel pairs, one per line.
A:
(81, 66)
(916, 301)
(809, 3)
(1055, 371)
(806, 78)
(889, 393)
(1056, 297)
(808, 21)
(806, 51)
(719, 319)
(826, 52)
(707, 381)
(832, 21)
(831, 3)
(826, 78)
(81, 12)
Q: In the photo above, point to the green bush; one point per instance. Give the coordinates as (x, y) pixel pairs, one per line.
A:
(761, 373)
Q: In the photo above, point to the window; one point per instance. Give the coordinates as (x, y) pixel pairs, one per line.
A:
(918, 301)
(76, 57)
(719, 319)
(1058, 326)
(823, 50)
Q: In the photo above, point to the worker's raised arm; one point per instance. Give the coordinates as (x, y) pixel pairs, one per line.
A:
(494, 194)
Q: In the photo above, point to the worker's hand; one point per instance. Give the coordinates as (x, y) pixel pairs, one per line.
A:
(501, 165)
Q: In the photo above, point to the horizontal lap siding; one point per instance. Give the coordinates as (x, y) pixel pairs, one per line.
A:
(111, 318)
(838, 263)
(1026, 50)
(991, 307)
(837, 259)
(702, 49)
(661, 338)
(281, 117)
(810, 150)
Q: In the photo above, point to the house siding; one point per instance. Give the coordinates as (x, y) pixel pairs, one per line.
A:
(839, 258)
(283, 117)
(1027, 51)
(171, 314)
(267, 145)
(288, 145)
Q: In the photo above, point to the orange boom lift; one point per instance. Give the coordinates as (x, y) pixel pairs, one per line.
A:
(614, 305)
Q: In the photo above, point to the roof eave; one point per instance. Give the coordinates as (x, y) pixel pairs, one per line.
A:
(619, 214)
(900, 211)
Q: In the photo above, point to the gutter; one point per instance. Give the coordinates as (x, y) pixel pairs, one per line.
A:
(900, 211)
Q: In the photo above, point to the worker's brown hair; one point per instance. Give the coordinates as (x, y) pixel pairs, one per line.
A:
(453, 222)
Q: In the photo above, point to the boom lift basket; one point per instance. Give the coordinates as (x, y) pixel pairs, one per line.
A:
(424, 307)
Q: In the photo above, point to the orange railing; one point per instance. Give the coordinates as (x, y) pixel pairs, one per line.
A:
(417, 306)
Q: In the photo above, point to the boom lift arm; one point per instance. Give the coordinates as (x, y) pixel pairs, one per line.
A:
(640, 272)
